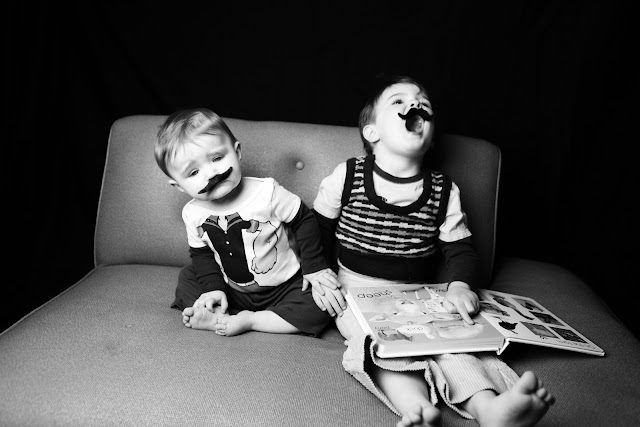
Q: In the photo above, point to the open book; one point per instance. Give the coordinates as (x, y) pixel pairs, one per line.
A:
(409, 320)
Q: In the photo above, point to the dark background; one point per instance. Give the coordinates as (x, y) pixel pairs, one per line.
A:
(552, 83)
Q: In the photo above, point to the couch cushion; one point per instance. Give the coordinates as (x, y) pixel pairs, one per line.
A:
(110, 351)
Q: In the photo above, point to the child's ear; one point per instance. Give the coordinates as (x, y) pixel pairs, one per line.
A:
(238, 147)
(175, 185)
(370, 133)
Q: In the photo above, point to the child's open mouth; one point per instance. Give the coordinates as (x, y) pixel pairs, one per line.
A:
(215, 181)
(415, 118)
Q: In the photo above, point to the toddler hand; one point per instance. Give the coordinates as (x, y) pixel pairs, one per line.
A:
(326, 291)
(209, 299)
(332, 301)
(461, 299)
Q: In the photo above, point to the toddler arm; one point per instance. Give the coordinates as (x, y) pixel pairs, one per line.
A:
(328, 237)
(460, 261)
(207, 269)
(307, 233)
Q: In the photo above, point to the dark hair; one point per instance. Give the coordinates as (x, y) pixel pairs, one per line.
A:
(377, 86)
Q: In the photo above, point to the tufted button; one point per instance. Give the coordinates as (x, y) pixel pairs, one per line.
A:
(300, 165)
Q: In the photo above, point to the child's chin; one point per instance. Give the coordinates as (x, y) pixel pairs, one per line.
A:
(221, 191)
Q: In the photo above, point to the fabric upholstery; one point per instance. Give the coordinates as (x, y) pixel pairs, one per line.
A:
(109, 350)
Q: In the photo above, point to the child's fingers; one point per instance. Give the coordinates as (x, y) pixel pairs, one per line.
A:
(337, 302)
(224, 305)
(339, 296)
(472, 306)
(447, 305)
(458, 307)
(334, 277)
(464, 312)
(323, 302)
(330, 281)
(335, 281)
(317, 288)
(318, 301)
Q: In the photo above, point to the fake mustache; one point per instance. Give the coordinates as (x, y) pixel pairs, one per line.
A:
(414, 118)
(216, 180)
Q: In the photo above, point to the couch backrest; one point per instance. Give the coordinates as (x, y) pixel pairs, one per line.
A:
(139, 215)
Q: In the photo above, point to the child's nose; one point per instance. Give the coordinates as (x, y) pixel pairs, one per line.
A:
(210, 170)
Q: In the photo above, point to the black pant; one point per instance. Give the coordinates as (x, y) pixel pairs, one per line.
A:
(286, 300)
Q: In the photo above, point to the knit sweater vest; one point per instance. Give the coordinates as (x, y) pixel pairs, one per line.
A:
(388, 241)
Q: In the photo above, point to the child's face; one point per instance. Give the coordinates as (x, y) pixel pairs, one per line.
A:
(206, 157)
(389, 134)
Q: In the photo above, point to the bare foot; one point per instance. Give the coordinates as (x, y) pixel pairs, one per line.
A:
(201, 318)
(408, 391)
(421, 417)
(524, 405)
(236, 324)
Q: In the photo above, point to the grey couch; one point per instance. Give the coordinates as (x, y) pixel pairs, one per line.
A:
(109, 350)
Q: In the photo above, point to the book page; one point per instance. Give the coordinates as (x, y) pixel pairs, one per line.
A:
(522, 319)
(409, 320)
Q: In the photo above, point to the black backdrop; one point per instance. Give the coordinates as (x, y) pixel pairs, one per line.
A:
(552, 83)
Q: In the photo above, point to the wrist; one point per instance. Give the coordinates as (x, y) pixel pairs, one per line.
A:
(456, 284)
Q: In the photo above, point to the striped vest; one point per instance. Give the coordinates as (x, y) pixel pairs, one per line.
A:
(383, 240)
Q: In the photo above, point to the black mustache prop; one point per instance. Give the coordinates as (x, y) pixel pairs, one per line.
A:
(216, 180)
(414, 118)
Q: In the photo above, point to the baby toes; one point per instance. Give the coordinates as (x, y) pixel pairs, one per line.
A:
(221, 327)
